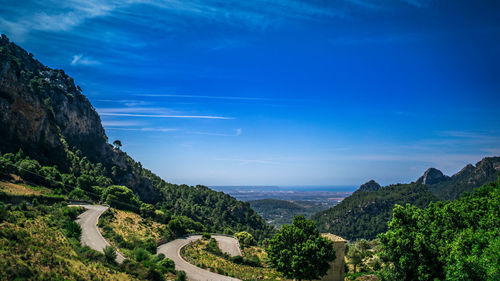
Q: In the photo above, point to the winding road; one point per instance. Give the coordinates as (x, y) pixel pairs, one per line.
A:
(172, 250)
(91, 236)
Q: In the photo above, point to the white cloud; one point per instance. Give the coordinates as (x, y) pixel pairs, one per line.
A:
(163, 130)
(80, 60)
(164, 116)
(237, 133)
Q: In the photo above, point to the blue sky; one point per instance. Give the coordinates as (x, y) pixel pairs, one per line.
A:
(280, 92)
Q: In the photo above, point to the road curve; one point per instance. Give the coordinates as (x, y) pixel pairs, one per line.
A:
(172, 250)
(91, 236)
(228, 245)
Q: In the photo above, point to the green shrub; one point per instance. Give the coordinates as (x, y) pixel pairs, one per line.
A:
(110, 254)
(246, 239)
(73, 230)
(180, 276)
(206, 235)
(140, 254)
(213, 247)
(168, 264)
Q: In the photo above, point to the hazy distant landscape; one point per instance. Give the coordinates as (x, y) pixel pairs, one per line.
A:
(278, 205)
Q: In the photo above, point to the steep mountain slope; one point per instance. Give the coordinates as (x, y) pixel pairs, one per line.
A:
(44, 116)
(467, 179)
(365, 214)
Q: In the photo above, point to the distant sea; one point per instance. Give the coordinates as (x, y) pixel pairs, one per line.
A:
(327, 194)
(308, 188)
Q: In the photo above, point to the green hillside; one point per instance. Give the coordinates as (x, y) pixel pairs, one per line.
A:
(365, 214)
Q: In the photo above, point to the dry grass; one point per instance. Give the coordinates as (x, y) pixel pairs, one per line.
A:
(22, 189)
(128, 224)
(196, 254)
(39, 250)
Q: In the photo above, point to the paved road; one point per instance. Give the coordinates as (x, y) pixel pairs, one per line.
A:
(228, 245)
(172, 250)
(91, 236)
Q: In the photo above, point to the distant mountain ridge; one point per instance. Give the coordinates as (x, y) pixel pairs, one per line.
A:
(470, 177)
(365, 213)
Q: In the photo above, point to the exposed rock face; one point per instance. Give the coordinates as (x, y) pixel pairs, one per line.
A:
(369, 186)
(432, 176)
(45, 114)
(485, 170)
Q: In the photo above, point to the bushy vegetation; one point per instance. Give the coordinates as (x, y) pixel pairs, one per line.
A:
(206, 254)
(453, 240)
(41, 242)
(245, 239)
(363, 259)
(365, 214)
(299, 251)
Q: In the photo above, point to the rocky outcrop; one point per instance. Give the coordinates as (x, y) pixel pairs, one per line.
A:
(44, 113)
(369, 186)
(470, 177)
(432, 176)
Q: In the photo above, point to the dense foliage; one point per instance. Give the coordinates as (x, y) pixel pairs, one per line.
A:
(365, 214)
(457, 240)
(299, 251)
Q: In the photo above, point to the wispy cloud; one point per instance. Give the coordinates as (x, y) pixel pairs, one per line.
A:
(165, 116)
(206, 97)
(81, 60)
(236, 133)
(135, 109)
(63, 16)
(164, 130)
(120, 123)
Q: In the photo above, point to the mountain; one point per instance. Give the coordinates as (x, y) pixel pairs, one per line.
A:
(365, 214)
(52, 136)
(470, 177)
(432, 176)
(369, 186)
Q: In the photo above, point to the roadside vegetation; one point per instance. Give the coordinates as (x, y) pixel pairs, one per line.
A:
(42, 242)
(205, 253)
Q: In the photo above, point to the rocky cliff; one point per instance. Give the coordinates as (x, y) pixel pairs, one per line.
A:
(470, 177)
(45, 114)
(432, 176)
(369, 186)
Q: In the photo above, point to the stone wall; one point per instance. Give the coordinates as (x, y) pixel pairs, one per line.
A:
(336, 271)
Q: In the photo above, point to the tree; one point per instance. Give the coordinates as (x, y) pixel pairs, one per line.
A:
(299, 251)
(121, 197)
(246, 239)
(117, 144)
(452, 240)
(110, 254)
(355, 256)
